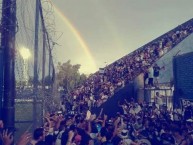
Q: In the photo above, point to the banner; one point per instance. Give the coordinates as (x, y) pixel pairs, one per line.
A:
(101, 71)
(186, 102)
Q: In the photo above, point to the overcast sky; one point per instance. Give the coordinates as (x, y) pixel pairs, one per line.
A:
(95, 33)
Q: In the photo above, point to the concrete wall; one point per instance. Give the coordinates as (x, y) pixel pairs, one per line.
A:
(139, 88)
(183, 76)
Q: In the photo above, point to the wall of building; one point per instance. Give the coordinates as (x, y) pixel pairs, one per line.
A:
(183, 77)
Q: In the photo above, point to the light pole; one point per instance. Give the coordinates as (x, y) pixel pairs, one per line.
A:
(7, 70)
(25, 54)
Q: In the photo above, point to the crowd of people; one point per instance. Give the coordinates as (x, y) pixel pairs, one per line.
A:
(102, 85)
(135, 124)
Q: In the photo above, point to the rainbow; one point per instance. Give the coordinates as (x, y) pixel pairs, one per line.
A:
(77, 35)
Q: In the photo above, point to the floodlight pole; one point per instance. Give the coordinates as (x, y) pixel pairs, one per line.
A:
(8, 31)
(35, 81)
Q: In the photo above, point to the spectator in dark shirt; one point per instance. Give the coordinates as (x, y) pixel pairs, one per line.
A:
(156, 73)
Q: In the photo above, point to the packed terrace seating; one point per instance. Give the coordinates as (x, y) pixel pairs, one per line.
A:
(102, 84)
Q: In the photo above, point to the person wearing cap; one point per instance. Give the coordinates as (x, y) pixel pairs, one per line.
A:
(166, 137)
(124, 135)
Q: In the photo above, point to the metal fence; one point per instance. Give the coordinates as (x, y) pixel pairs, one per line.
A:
(26, 111)
(167, 93)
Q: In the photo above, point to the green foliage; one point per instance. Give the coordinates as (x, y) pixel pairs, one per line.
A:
(48, 81)
(69, 77)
